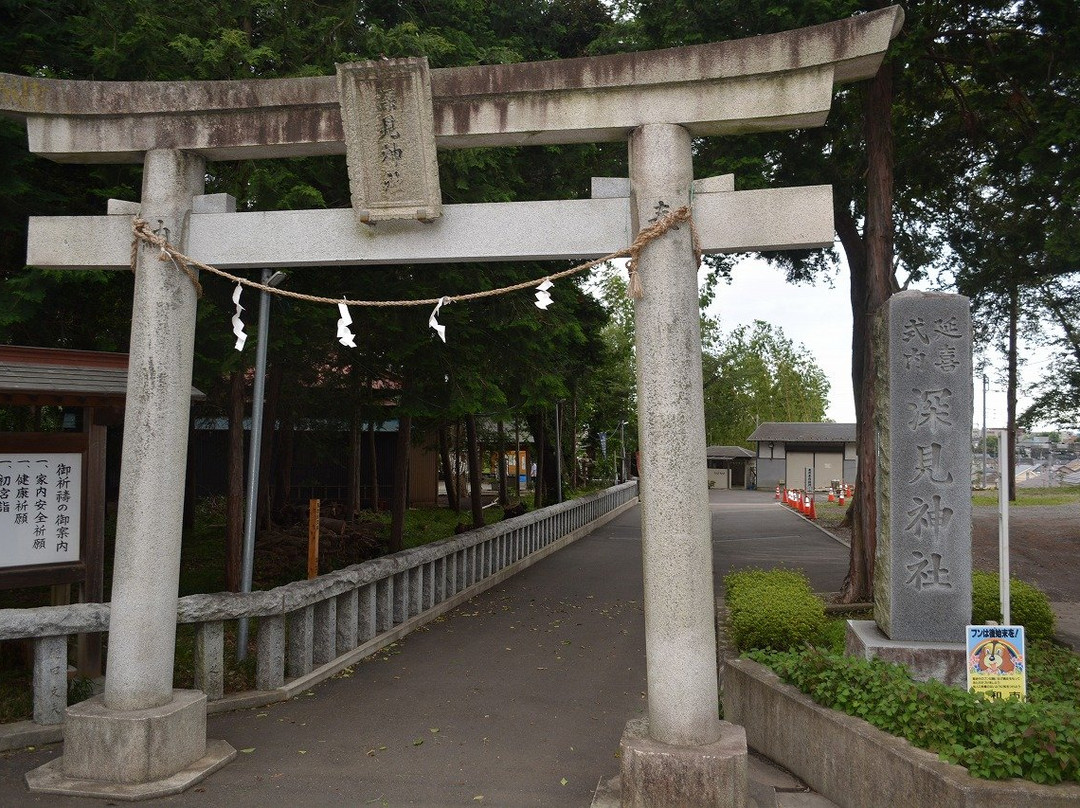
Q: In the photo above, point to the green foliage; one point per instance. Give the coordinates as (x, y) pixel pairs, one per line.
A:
(1028, 606)
(1033, 497)
(755, 375)
(1038, 740)
(772, 609)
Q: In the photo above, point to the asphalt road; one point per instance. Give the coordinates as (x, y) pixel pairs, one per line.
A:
(517, 698)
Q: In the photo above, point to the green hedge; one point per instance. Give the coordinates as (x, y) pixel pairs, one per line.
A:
(1036, 740)
(1028, 606)
(772, 609)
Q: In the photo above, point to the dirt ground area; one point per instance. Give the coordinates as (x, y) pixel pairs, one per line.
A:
(1044, 546)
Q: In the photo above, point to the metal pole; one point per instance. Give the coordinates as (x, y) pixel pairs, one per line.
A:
(622, 452)
(254, 451)
(984, 433)
(1003, 527)
(558, 454)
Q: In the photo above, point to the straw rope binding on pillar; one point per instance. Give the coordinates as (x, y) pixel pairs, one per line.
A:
(669, 222)
(141, 232)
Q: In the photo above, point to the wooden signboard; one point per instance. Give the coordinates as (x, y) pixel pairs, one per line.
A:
(43, 510)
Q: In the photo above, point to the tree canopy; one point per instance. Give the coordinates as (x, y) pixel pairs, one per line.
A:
(757, 374)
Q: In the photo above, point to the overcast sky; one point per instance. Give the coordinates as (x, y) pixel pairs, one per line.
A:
(819, 317)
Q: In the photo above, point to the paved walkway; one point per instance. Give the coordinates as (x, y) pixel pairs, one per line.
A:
(517, 698)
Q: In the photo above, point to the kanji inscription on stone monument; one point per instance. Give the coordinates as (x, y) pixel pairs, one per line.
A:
(923, 576)
(390, 139)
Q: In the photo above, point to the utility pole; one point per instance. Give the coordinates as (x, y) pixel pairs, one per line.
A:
(984, 434)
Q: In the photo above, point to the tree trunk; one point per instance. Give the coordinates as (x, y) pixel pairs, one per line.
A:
(538, 443)
(234, 496)
(871, 262)
(473, 448)
(517, 459)
(356, 457)
(501, 454)
(373, 459)
(400, 497)
(189, 473)
(448, 471)
(1014, 327)
(286, 441)
(274, 379)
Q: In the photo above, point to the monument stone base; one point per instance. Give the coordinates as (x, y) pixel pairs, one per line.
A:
(944, 661)
(656, 774)
(133, 754)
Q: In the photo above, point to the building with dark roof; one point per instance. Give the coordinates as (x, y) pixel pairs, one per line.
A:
(729, 466)
(786, 450)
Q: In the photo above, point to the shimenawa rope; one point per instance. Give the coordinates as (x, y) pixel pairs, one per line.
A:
(141, 232)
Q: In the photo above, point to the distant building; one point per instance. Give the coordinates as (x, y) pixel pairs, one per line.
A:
(729, 466)
(786, 450)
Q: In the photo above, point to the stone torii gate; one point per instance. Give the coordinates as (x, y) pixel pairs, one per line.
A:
(143, 737)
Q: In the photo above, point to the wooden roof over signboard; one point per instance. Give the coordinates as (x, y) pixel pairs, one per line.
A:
(41, 376)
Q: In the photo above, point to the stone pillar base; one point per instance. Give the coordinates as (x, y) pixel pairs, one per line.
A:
(133, 755)
(655, 775)
(944, 661)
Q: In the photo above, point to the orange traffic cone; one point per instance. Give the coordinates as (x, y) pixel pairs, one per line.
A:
(832, 496)
(841, 503)
(811, 513)
(777, 493)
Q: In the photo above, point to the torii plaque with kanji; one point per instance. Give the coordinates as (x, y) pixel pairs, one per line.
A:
(390, 139)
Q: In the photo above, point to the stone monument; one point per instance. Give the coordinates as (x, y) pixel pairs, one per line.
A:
(922, 572)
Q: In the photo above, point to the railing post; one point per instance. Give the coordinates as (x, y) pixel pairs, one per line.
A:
(324, 639)
(210, 659)
(401, 597)
(346, 622)
(384, 604)
(300, 641)
(50, 679)
(366, 613)
(429, 585)
(270, 653)
(441, 571)
(416, 590)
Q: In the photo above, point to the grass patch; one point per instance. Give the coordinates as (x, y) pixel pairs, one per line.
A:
(829, 514)
(1033, 497)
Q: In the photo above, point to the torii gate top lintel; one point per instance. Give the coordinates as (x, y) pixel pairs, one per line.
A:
(772, 82)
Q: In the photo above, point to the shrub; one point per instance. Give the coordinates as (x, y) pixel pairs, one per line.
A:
(1038, 740)
(772, 609)
(1028, 606)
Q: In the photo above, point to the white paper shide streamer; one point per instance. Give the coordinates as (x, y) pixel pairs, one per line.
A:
(433, 320)
(237, 323)
(543, 298)
(344, 335)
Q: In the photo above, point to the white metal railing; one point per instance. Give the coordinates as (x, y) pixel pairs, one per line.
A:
(309, 630)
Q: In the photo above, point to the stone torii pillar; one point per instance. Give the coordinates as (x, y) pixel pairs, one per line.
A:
(658, 101)
(141, 738)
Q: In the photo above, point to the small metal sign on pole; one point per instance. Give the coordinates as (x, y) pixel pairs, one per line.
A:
(808, 485)
(997, 664)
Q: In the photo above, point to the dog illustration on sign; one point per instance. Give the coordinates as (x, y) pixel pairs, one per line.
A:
(996, 656)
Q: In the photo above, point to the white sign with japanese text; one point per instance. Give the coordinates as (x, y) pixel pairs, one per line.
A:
(40, 508)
